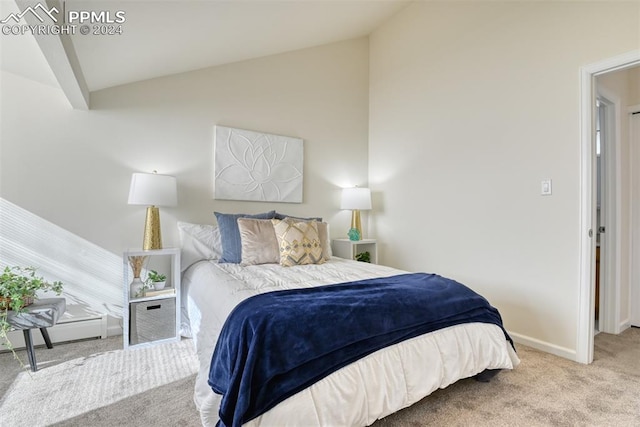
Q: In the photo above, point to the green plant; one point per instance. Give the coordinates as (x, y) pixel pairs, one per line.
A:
(18, 287)
(363, 257)
(154, 276)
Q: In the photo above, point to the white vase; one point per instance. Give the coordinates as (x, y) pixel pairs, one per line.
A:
(159, 285)
(136, 289)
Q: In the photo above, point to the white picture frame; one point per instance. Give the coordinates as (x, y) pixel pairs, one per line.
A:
(256, 166)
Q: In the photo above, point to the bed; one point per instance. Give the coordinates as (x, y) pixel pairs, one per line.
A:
(357, 394)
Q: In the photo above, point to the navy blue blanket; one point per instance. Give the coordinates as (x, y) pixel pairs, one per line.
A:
(276, 344)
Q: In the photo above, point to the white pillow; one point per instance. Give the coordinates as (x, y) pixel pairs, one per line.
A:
(198, 242)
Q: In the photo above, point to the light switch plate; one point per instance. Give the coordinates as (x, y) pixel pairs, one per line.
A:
(545, 188)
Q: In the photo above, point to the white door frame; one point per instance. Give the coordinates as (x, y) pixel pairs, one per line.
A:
(586, 298)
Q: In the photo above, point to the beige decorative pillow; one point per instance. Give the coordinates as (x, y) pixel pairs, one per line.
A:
(298, 242)
(258, 241)
(323, 234)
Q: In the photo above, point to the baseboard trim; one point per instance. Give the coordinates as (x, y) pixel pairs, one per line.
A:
(624, 325)
(65, 330)
(114, 330)
(547, 347)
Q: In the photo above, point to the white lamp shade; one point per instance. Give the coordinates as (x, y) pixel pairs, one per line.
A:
(356, 198)
(151, 189)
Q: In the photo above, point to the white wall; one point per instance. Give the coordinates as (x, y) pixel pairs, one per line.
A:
(73, 168)
(471, 106)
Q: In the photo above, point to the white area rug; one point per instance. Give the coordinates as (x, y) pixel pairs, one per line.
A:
(62, 392)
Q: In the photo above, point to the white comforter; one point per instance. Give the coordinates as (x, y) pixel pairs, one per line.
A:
(358, 394)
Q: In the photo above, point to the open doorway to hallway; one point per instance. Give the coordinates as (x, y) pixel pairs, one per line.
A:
(635, 219)
(604, 108)
(616, 294)
(614, 172)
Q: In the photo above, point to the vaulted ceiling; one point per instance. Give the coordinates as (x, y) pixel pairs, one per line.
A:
(163, 37)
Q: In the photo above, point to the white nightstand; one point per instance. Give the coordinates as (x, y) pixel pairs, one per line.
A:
(348, 249)
(154, 318)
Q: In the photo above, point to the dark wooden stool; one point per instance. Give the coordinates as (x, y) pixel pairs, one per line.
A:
(42, 314)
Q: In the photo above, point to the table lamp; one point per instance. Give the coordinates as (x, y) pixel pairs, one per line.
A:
(153, 190)
(356, 199)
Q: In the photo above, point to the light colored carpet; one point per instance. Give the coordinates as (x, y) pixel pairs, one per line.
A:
(92, 383)
(105, 387)
(544, 390)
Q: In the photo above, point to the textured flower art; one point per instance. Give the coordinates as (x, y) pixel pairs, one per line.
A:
(257, 166)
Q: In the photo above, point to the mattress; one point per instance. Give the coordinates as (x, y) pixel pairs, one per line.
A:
(358, 394)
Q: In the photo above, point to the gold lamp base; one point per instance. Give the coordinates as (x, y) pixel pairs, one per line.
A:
(152, 236)
(355, 222)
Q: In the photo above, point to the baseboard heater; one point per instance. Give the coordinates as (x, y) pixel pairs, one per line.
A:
(67, 329)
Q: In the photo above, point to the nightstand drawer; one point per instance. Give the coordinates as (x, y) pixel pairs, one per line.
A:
(152, 320)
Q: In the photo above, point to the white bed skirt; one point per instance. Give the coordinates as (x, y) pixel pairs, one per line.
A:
(387, 380)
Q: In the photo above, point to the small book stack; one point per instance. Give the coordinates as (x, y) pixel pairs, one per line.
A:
(167, 291)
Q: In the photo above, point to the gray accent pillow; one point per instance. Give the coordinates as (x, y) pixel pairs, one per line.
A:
(279, 215)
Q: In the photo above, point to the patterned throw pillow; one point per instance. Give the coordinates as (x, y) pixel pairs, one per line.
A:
(323, 234)
(298, 242)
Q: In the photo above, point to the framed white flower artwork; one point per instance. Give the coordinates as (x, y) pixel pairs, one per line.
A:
(257, 166)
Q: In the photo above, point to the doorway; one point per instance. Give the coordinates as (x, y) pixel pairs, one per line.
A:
(635, 220)
(608, 210)
(601, 212)
(610, 295)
